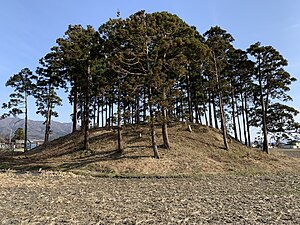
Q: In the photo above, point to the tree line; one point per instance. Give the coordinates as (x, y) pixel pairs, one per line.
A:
(154, 69)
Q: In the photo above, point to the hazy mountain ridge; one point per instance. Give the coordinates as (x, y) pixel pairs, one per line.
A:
(36, 129)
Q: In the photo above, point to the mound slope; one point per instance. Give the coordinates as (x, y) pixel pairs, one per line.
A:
(191, 153)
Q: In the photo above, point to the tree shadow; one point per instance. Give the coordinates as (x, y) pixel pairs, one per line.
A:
(112, 155)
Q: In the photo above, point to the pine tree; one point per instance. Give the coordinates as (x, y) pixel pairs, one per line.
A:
(219, 42)
(239, 73)
(19, 134)
(18, 103)
(272, 82)
(78, 50)
(48, 82)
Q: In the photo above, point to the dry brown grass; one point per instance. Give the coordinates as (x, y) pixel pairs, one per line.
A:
(191, 153)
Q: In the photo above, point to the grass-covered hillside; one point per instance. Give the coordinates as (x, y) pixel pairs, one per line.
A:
(191, 153)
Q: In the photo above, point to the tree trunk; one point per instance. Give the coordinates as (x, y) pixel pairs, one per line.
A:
(215, 111)
(234, 116)
(109, 112)
(164, 125)
(98, 112)
(129, 113)
(94, 113)
(239, 125)
(102, 111)
(244, 121)
(112, 113)
(144, 107)
(26, 122)
(137, 111)
(189, 98)
(86, 144)
(106, 111)
(120, 139)
(263, 110)
(82, 112)
(200, 119)
(75, 110)
(181, 105)
(222, 113)
(197, 114)
(48, 122)
(205, 115)
(247, 122)
(209, 111)
(153, 137)
(223, 121)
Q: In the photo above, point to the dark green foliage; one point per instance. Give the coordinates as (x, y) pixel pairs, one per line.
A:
(19, 134)
(47, 83)
(271, 82)
(23, 85)
(153, 68)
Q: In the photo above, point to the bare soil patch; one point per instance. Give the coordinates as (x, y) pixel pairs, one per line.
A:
(66, 198)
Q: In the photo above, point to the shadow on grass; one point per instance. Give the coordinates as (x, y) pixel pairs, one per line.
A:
(87, 157)
(95, 157)
(71, 146)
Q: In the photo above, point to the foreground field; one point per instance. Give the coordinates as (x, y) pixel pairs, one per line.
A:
(65, 198)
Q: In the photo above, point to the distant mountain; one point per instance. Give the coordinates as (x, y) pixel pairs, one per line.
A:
(36, 129)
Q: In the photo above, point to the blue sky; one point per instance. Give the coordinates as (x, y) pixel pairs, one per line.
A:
(29, 29)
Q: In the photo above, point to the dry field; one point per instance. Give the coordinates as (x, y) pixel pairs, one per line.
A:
(66, 198)
(289, 152)
(202, 184)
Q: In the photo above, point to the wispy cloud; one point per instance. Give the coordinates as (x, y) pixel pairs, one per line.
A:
(294, 26)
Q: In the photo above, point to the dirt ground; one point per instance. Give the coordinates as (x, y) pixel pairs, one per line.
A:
(66, 198)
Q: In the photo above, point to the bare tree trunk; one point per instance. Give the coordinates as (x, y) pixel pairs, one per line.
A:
(137, 112)
(82, 112)
(26, 122)
(164, 125)
(205, 115)
(86, 143)
(239, 125)
(263, 111)
(215, 112)
(210, 111)
(75, 109)
(106, 113)
(221, 106)
(94, 113)
(265, 132)
(244, 121)
(197, 114)
(112, 113)
(234, 116)
(109, 113)
(48, 122)
(98, 112)
(189, 98)
(144, 107)
(223, 121)
(120, 139)
(200, 119)
(153, 136)
(247, 122)
(102, 112)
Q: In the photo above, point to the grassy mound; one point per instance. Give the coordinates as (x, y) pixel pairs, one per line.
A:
(191, 153)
